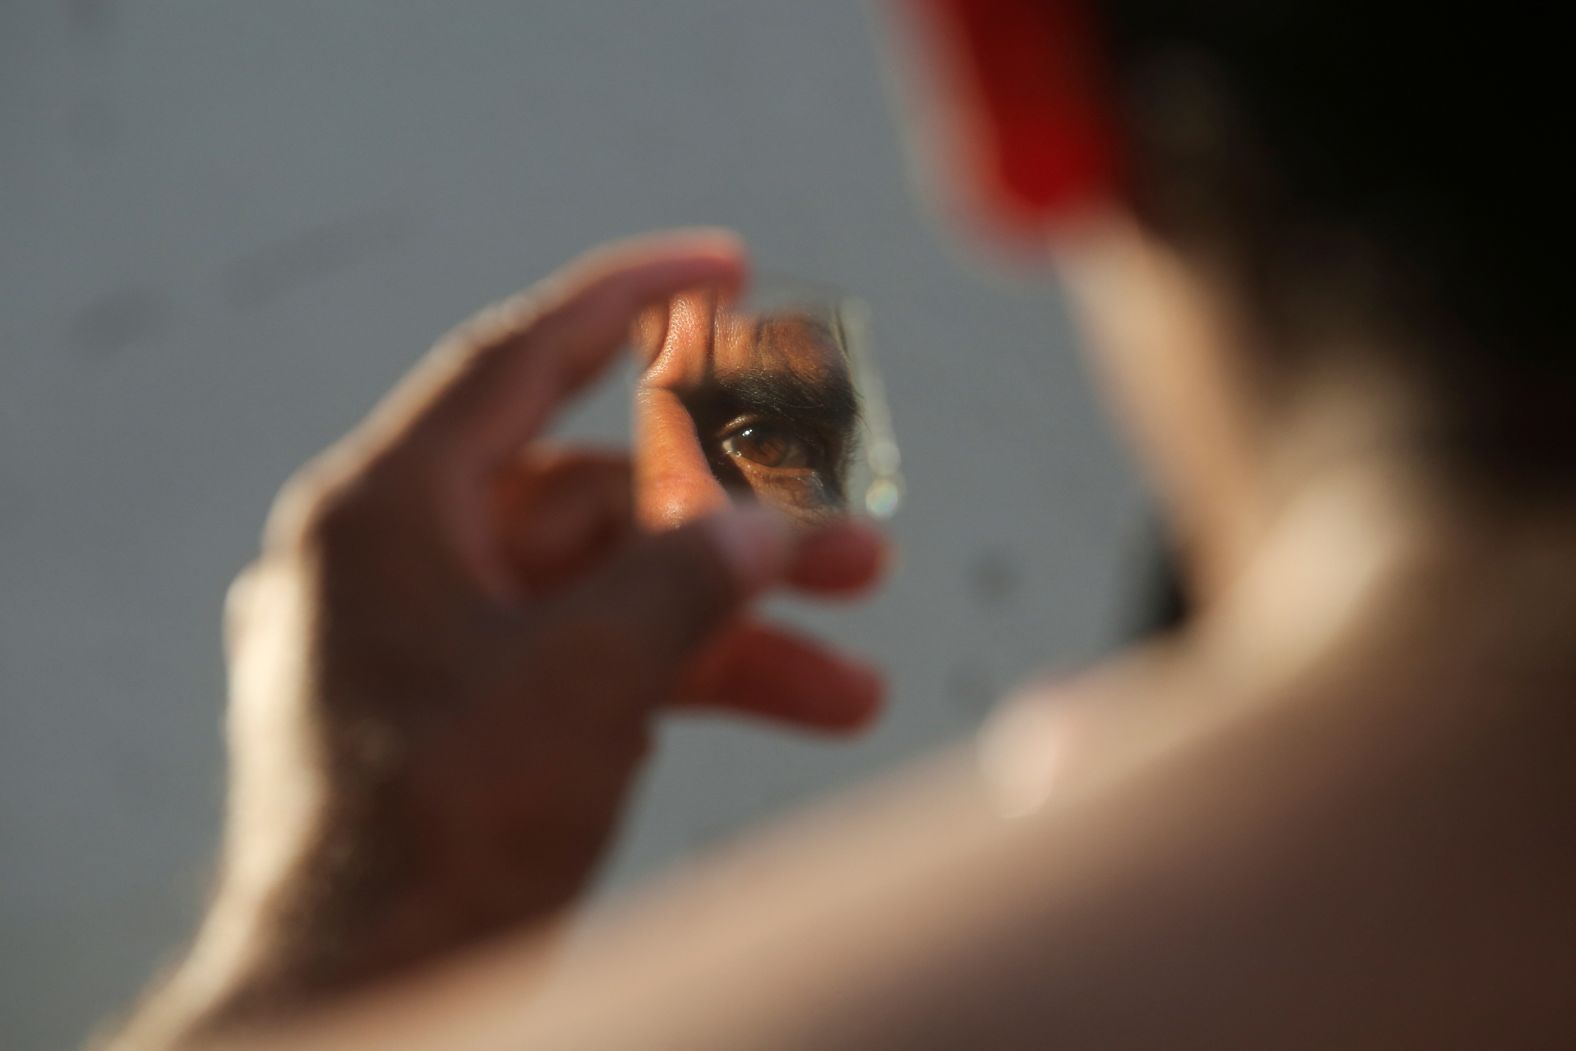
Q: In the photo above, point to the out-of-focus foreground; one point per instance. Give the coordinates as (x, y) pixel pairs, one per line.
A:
(226, 228)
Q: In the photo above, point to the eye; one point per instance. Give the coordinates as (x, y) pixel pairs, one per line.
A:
(766, 445)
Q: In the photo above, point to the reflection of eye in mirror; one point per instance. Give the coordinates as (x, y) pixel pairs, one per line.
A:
(773, 400)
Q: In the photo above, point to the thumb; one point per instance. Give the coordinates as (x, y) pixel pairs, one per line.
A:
(669, 593)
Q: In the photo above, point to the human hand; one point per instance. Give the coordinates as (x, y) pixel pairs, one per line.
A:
(445, 661)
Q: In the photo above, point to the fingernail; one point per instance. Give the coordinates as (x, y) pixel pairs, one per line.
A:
(713, 233)
(863, 696)
(867, 682)
(753, 541)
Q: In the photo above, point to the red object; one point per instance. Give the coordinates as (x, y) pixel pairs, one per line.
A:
(1037, 123)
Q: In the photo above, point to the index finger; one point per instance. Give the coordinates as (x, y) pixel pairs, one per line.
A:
(494, 382)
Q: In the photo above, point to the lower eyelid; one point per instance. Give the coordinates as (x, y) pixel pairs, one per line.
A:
(803, 489)
(785, 474)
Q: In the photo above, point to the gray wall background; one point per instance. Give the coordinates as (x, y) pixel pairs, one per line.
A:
(225, 228)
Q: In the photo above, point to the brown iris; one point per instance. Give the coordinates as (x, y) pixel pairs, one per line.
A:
(767, 446)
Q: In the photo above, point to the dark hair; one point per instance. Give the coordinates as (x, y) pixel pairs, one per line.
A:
(1377, 170)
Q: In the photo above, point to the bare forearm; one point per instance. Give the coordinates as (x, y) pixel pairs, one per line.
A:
(363, 903)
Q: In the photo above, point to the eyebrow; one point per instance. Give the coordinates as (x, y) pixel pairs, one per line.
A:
(828, 403)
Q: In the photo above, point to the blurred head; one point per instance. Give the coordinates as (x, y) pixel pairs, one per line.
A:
(1281, 219)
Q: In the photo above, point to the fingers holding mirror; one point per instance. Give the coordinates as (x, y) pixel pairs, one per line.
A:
(772, 401)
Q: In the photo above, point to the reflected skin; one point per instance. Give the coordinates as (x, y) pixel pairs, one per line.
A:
(740, 407)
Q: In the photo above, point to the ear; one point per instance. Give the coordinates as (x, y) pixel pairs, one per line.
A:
(1034, 138)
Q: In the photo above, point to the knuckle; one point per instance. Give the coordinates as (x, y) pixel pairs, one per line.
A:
(238, 594)
(497, 323)
(238, 599)
(321, 503)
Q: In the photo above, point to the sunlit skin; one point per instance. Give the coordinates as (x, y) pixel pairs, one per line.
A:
(740, 406)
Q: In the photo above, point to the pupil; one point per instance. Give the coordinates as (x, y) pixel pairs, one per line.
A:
(760, 445)
(765, 447)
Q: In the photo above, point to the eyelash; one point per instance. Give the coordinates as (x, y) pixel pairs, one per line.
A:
(813, 443)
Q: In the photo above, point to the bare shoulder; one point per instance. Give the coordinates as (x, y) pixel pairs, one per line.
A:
(1346, 863)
